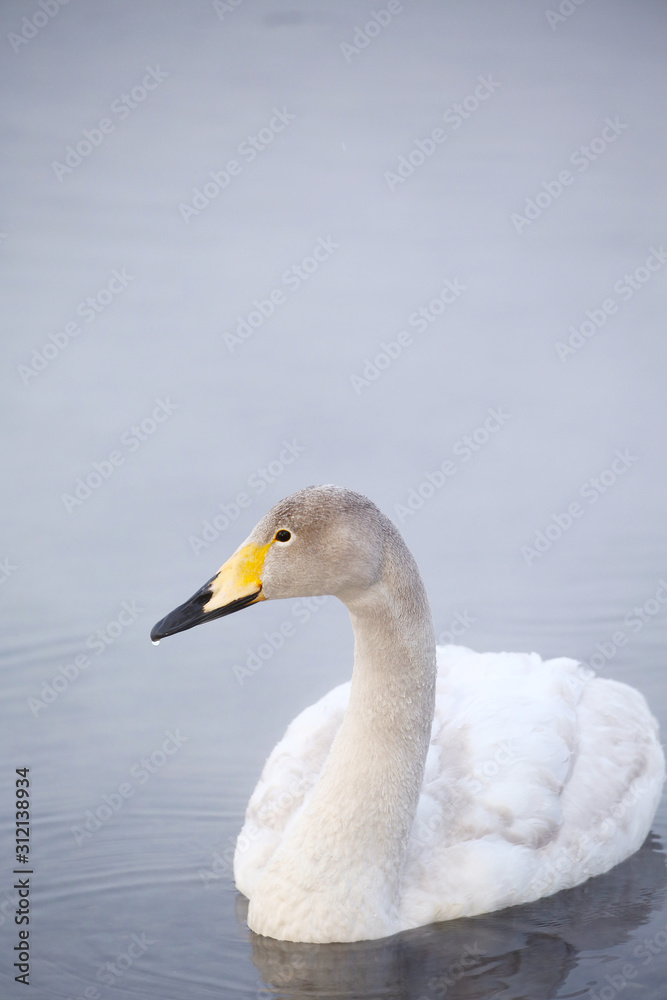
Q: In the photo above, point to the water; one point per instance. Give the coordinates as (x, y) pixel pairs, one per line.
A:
(192, 427)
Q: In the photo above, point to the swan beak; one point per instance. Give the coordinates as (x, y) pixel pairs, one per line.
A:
(238, 584)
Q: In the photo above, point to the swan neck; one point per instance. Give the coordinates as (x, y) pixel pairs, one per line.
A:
(393, 682)
(343, 862)
(382, 744)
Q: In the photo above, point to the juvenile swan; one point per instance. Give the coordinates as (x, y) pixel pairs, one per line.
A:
(424, 789)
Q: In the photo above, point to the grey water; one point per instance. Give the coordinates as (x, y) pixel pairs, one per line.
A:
(416, 249)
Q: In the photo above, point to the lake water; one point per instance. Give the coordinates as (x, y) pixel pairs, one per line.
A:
(256, 246)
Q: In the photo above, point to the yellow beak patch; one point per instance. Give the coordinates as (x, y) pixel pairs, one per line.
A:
(239, 577)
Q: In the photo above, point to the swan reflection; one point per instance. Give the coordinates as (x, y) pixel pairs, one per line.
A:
(523, 952)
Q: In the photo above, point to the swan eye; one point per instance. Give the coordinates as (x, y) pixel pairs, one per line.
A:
(283, 535)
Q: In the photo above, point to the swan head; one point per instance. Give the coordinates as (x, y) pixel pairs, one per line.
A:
(321, 540)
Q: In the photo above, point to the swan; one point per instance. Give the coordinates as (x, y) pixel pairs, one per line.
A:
(436, 783)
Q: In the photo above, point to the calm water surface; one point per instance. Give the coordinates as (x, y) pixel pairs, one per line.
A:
(141, 758)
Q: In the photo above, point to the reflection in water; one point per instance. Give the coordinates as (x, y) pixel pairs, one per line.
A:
(526, 951)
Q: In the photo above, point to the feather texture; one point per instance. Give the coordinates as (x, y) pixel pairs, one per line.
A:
(538, 776)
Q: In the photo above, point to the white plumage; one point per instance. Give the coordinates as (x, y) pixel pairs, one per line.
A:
(432, 786)
(538, 776)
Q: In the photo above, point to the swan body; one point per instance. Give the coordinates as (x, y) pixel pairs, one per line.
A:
(428, 787)
(538, 776)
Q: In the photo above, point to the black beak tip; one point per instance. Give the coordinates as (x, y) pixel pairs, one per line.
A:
(191, 613)
(156, 631)
(185, 616)
(174, 622)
